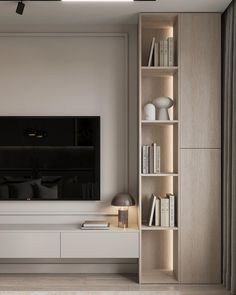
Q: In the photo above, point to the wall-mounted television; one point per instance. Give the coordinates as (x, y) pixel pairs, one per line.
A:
(49, 158)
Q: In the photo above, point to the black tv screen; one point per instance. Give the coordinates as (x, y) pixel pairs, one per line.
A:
(49, 158)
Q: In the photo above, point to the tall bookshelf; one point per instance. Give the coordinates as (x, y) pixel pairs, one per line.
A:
(159, 246)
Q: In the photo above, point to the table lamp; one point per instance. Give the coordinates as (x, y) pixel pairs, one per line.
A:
(123, 200)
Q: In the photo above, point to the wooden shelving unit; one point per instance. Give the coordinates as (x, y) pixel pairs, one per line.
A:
(159, 246)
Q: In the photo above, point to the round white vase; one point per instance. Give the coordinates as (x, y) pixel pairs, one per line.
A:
(163, 103)
(149, 112)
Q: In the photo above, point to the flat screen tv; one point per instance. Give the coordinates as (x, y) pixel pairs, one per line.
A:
(49, 158)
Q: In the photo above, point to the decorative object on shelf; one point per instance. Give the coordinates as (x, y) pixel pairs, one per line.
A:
(95, 224)
(123, 200)
(149, 112)
(163, 103)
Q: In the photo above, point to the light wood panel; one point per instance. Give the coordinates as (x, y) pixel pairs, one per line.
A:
(200, 80)
(200, 216)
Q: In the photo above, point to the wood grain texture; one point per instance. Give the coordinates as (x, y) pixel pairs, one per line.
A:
(200, 80)
(200, 218)
(107, 284)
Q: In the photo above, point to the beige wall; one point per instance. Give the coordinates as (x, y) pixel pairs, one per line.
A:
(75, 75)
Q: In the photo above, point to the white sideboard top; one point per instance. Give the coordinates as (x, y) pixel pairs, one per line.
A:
(61, 228)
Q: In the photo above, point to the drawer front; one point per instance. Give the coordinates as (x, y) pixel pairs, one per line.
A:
(29, 245)
(99, 245)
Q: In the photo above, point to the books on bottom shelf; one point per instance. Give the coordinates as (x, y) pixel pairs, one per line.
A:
(151, 159)
(162, 211)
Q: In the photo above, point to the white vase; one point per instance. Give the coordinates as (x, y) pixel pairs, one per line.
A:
(163, 103)
(149, 112)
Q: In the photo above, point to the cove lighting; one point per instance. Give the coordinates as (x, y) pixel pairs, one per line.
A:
(97, 0)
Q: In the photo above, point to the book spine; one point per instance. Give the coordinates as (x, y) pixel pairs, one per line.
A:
(151, 52)
(171, 51)
(158, 159)
(157, 211)
(145, 159)
(172, 210)
(165, 50)
(153, 207)
(154, 158)
(165, 212)
(161, 53)
(156, 54)
(151, 162)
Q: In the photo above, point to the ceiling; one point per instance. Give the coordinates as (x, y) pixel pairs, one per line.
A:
(81, 13)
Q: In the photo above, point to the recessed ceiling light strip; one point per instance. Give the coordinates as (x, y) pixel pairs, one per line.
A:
(97, 0)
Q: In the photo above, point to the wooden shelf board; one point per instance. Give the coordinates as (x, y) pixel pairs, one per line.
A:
(156, 276)
(159, 174)
(159, 71)
(146, 227)
(160, 122)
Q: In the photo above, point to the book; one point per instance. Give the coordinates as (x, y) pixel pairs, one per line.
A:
(171, 198)
(161, 53)
(151, 210)
(164, 211)
(165, 53)
(145, 159)
(95, 224)
(157, 213)
(170, 41)
(150, 58)
(158, 160)
(156, 54)
(152, 157)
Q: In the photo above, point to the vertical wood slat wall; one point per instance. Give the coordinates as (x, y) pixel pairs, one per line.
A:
(190, 149)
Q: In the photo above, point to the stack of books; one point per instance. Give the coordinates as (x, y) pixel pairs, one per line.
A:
(162, 211)
(161, 53)
(151, 159)
(95, 224)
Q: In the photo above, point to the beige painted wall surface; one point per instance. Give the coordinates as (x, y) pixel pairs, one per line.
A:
(73, 75)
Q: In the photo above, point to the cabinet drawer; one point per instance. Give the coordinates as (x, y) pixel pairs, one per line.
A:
(99, 245)
(29, 245)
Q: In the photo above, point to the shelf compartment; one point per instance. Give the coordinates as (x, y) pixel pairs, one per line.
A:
(159, 251)
(159, 71)
(157, 276)
(145, 227)
(160, 85)
(160, 27)
(159, 186)
(165, 136)
(160, 122)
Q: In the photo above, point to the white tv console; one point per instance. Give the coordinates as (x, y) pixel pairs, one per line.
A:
(67, 241)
